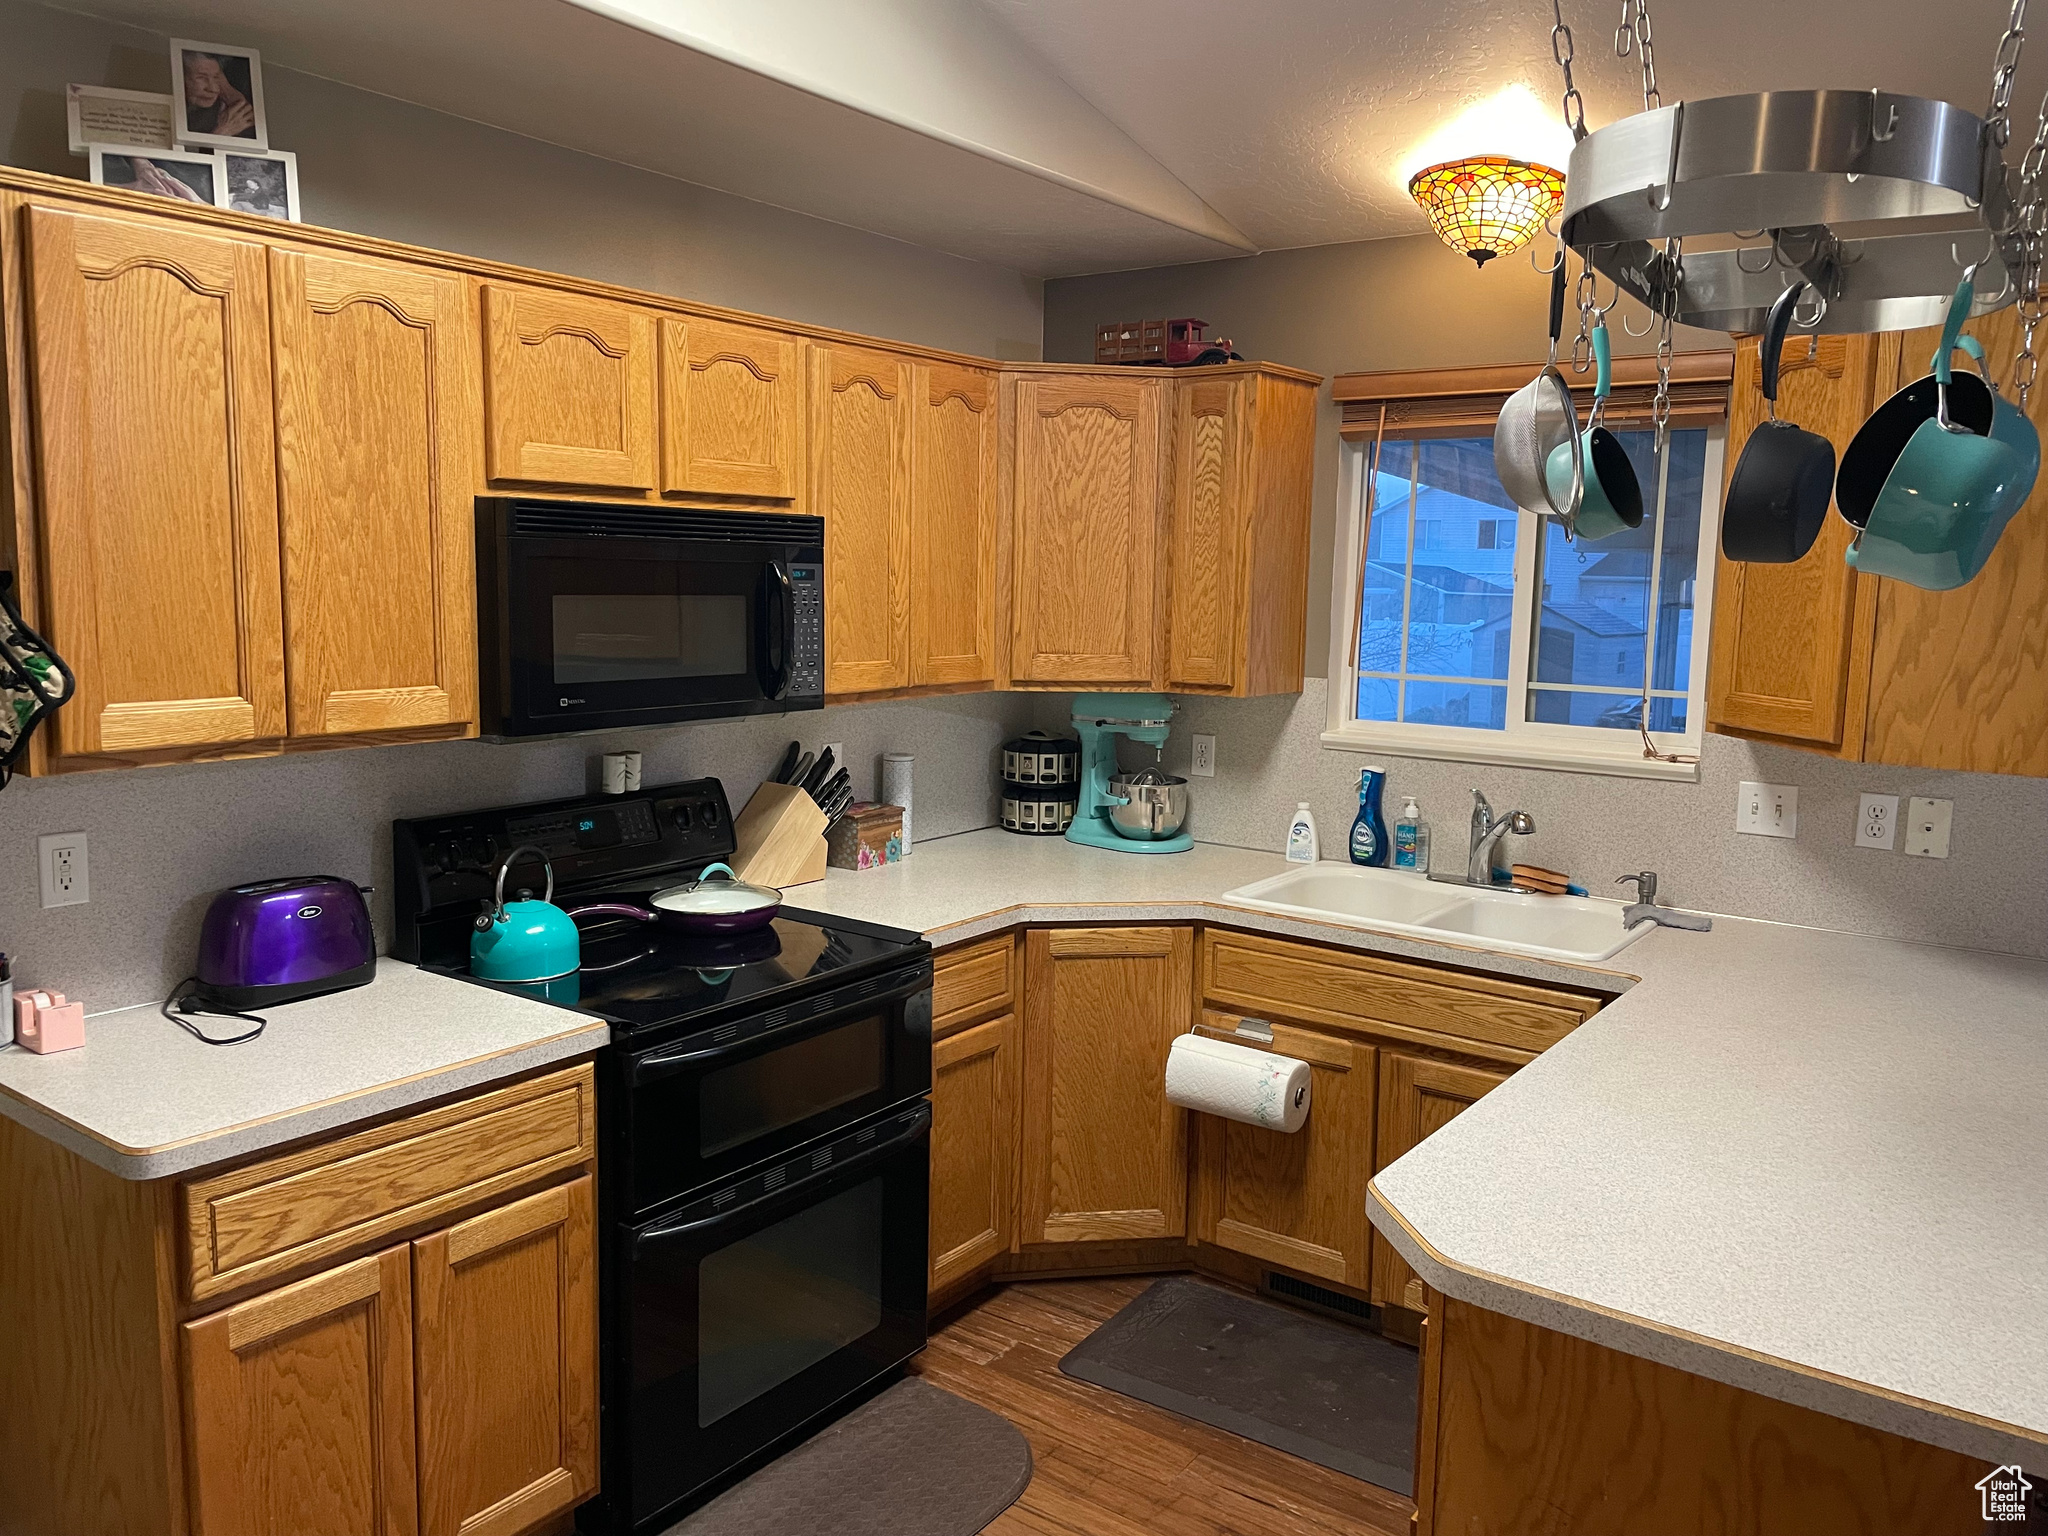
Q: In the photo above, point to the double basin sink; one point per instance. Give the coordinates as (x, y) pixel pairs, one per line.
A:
(1548, 927)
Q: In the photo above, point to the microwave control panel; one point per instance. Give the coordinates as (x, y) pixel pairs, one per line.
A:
(807, 666)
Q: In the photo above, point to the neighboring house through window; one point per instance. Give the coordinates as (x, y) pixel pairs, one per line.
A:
(1466, 627)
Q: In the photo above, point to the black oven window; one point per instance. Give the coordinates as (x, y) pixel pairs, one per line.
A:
(772, 1305)
(641, 636)
(765, 1093)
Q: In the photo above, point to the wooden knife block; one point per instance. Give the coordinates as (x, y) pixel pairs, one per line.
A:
(781, 837)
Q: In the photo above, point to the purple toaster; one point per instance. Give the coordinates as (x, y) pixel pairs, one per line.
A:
(277, 940)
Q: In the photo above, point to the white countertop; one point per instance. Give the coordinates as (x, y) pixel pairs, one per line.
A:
(1808, 1164)
(143, 1099)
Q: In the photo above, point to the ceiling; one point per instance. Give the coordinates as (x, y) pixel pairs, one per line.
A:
(1064, 136)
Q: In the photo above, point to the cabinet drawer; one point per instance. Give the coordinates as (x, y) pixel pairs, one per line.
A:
(973, 981)
(273, 1217)
(1506, 1020)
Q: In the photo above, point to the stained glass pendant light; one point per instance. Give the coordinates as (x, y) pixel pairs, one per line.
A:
(1487, 205)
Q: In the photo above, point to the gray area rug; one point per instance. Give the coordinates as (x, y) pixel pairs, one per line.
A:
(915, 1461)
(1331, 1394)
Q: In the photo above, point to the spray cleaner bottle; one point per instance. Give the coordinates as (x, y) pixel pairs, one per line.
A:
(1369, 831)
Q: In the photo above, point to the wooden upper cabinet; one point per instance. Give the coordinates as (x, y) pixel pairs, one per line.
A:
(860, 484)
(1084, 561)
(1105, 1156)
(732, 411)
(974, 1148)
(568, 389)
(299, 1408)
(1297, 1201)
(507, 1349)
(1785, 655)
(376, 415)
(1206, 533)
(1418, 1096)
(953, 525)
(157, 496)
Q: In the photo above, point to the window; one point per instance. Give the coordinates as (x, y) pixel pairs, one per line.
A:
(1482, 633)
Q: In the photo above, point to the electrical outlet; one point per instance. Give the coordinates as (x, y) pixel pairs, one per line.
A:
(1767, 810)
(1927, 823)
(1877, 821)
(1205, 758)
(66, 880)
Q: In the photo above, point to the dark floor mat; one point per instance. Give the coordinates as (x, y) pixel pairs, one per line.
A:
(916, 1461)
(1332, 1394)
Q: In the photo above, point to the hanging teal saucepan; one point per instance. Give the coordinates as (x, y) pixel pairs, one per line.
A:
(1611, 498)
(1951, 491)
(1778, 496)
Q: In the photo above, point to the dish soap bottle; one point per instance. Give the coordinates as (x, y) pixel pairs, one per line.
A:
(1411, 836)
(1369, 830)
(1301, 836)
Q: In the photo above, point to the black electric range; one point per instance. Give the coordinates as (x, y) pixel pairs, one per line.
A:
(764, 1133)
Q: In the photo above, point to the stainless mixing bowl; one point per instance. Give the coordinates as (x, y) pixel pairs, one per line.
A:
(1157, 805)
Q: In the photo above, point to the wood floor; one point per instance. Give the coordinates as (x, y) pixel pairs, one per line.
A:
(1108, 1465)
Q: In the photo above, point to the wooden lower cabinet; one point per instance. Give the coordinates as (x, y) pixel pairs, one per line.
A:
(1296, 1201)
(299, 1407)
(974, 1149)
(1418, 1096)
(1105, 1156)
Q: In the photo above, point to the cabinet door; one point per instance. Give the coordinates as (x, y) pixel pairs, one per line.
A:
(1205, 542)
(1297, 1200)
(1783, 659)
(1418, 1097)
(860, 485)
(732, 411)
(953, 526)
(507, 1305)
(568, 389)
(376, 412)
(1086, 530)
(299, 1408)
(974, 1148)
(158, 497)
(1105, 1156)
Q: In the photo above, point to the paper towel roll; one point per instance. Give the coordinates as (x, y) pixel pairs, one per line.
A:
(1237, 1082)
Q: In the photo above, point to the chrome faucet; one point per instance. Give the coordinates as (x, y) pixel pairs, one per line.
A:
(1644, 908)
(1487, 832)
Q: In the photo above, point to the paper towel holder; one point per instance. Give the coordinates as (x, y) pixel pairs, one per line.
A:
(1255, 1029)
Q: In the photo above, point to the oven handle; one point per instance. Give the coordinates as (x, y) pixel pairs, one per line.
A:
(917, 1127)
(779, 633)
(659, 1064)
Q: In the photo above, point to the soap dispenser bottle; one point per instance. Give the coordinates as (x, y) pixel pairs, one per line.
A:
(1409, 834)
(1369, 831)
(1301, 836)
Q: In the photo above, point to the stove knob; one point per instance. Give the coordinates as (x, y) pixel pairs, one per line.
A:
(476, 852)
(709, 815)
(681, 817)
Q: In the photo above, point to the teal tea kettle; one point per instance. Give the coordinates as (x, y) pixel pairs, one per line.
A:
(524, 940)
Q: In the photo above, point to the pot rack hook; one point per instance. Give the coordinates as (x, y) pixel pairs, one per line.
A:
(1770, 248)
(1990, 244)
(1632, 331)
(1820, 312)
(1555, 264)
(1660, 196)
(1890, 120)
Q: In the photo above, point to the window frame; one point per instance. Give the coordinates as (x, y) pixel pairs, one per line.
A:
(1522, 742)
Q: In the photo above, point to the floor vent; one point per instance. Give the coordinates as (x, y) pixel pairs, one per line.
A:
(1306, 1293)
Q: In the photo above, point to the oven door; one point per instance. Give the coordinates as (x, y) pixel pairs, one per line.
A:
(607, 632)
(723, 1099)
(751, 1309)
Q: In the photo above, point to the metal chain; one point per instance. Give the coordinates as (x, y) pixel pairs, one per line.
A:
(1587, 298)
(2030, 233)
(1561, 50)
(2003, 66)
(1667, 307)
(1634, 31)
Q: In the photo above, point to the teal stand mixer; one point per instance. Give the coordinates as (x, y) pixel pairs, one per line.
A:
(1142, 812)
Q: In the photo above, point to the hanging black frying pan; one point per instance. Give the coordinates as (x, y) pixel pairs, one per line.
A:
(1786, 475)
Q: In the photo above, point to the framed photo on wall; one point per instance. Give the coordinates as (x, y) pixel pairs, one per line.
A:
(99, 114)
(217, 95)
(261, 181)
(191, 176)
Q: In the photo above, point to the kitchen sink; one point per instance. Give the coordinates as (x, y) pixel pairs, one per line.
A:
(1552, 927)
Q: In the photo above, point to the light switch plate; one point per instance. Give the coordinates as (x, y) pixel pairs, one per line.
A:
(1877, 821)
(1927, 824)
(1767, 810)
(1205, 758)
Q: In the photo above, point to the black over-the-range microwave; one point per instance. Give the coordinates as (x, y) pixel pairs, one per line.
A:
(593, 615)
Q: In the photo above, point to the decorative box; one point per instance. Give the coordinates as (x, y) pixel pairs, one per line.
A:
(866, 837)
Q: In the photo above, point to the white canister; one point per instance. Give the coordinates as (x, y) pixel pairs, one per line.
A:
(896, 768)
(614, 773)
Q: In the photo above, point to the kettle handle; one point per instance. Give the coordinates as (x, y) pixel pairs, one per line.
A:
(497, 912)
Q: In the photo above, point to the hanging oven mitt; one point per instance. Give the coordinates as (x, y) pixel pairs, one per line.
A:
(33, 679)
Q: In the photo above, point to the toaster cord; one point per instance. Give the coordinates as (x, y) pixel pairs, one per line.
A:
(187, 1002)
